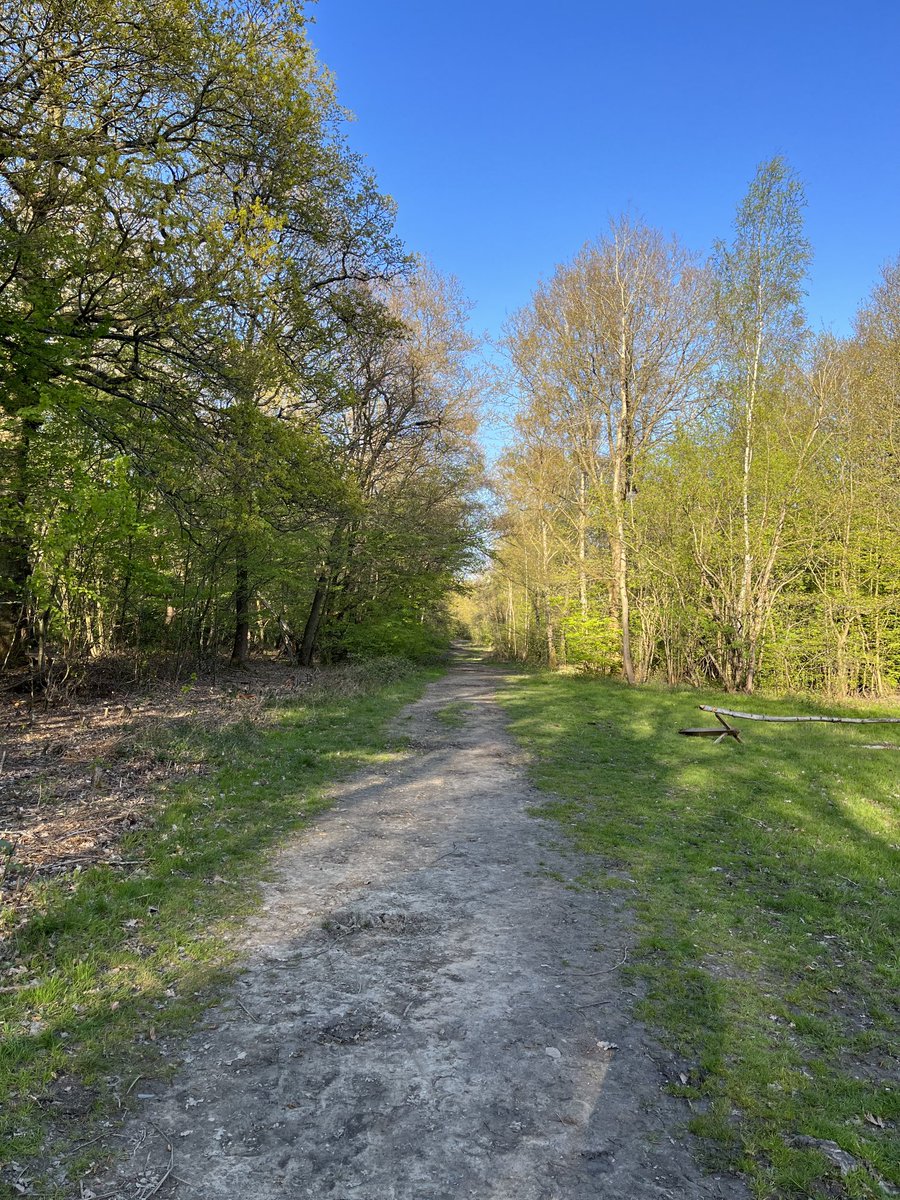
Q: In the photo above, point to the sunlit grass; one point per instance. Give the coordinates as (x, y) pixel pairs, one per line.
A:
(764, 879)
(111, 962)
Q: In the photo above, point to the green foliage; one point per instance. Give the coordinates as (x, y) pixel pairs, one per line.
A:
(226, 394)
(396, 632)
(759, 545)
(760, 275)
(591, 640)
(761, 875)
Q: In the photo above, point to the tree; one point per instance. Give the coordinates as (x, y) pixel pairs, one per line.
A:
(404, 430)
(611, 354)
(760, 527)
(759, 290)
(170, 179)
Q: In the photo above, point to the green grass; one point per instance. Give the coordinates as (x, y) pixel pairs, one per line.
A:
(112, 961)
(454, 714)
(764, 881)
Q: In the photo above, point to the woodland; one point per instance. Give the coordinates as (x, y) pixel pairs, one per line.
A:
(699, 487)
(244, 509)
(236, 412)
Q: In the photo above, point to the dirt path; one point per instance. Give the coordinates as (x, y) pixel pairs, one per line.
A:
(425, 1014)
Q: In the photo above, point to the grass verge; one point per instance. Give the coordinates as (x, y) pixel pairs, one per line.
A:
(764, 878)
(111, 961)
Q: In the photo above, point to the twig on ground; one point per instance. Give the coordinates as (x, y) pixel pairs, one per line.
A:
(60, 865)
(162, 1179)
(89, 1142)
(605, 970)
(247, 1011)
(730, 712)
(66, 835)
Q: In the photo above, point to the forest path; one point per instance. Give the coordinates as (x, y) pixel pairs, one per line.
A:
(424, 1009)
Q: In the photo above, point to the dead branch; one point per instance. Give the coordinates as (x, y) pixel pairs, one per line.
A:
(728, 712)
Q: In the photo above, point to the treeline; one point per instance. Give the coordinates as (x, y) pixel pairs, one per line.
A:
(700, 488)
(234, 410)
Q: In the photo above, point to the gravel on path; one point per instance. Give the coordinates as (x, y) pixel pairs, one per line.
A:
(426, 1011)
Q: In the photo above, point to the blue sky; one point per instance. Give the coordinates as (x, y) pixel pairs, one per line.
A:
(508, 133)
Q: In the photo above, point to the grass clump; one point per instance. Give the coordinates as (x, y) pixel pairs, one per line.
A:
(764, 878)
(454, 714)
(110, 961)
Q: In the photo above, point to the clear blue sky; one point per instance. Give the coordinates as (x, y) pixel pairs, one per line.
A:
(508, 132)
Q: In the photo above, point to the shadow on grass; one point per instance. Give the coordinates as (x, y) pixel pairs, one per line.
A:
(330, 1090)
(112, 960)
(761, 874)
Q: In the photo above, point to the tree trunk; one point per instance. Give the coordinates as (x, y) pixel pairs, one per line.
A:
(311, 628)
(511, 638)
(551, 634)
(240, 652)
(15, 563)
(620, 571)
(582, 544)
(621, 486)
(15, 573)
(548, 612)
(623, 477)
(747, 649)
(331, 565)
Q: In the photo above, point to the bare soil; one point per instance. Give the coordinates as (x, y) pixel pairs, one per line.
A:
(425, 1013)
(78, 774)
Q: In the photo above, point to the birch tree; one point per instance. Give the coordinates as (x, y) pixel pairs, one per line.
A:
(613, 351)
(759, 291)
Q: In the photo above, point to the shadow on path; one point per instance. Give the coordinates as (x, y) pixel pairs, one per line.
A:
(425, 1013)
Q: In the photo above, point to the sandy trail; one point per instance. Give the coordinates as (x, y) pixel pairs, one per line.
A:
(428, 1008)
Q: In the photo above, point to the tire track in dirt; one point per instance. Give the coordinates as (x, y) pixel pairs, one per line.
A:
(425, 1014)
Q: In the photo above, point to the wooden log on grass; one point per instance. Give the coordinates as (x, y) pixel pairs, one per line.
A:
(729, 731)
(729, 712)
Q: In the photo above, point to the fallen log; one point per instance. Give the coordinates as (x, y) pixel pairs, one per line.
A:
(729, 712)
(711, 731)
(729, 731)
